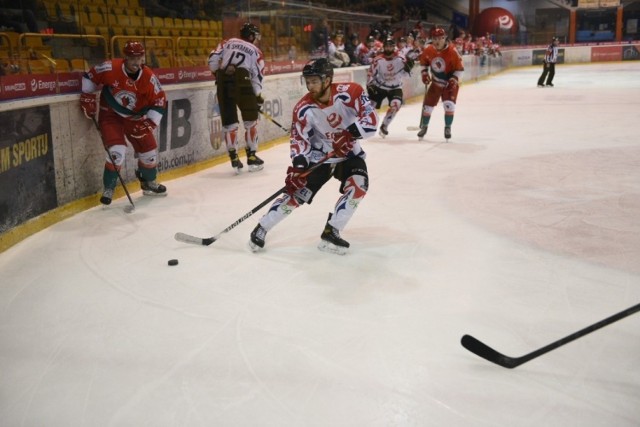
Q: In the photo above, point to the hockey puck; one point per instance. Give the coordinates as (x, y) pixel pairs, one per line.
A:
(173, 262)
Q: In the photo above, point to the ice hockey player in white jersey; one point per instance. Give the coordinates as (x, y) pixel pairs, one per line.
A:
(238, 65)
(330, 118)
(384, 81)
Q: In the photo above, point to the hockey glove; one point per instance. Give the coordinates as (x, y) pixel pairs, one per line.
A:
(89, 105)
(143, 128)
(452, 83)
(343, 143)
(372, 91)
(259, 101)
(426, 78)
(295, 180)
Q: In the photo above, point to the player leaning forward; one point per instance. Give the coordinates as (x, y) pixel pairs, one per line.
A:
(441, 74)
(330, 117)
(132, 104)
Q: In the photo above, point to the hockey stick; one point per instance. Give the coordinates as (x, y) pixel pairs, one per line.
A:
(132, 207)
(272, 120)
(206, 241)
(479, 348)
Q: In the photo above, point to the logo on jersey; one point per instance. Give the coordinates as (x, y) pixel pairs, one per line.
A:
(126, 99)
(438, 65)
(334, 120)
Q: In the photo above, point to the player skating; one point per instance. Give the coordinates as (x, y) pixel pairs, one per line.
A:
(330, 117)
(132, 104)
(384, 81)
(238, 65)
(441, 74)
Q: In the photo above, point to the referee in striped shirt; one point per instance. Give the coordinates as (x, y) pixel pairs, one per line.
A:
(550, 59)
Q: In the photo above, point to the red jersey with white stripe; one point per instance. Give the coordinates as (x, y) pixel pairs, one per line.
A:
(315, 123)
(130, 97)
(444, 63)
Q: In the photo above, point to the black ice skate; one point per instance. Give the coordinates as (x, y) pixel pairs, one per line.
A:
(107, 195)
(236, 164)
(254, 162)
(152, 188)
(331, 240)
(422, 132)
(383, 131)
(256, 241)
(447, 133)
(549, 84)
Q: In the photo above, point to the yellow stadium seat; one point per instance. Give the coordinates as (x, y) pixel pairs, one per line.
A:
(39, 66)
(79, 64)
(62, 66)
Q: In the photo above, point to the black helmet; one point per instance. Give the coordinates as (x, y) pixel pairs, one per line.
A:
(389, 41)
(248, 30)
(318, 67)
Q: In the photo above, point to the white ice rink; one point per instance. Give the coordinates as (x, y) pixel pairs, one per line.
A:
(522, 230)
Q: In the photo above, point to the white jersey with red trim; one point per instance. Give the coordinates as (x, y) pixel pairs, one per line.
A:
(127, 96)
(387, 72)
(315, 123)
(240, 54)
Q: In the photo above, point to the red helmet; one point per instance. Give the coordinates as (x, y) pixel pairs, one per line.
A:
(133, 48)
(437, 32)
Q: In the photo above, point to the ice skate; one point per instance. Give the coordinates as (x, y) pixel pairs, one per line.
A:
(152, 188)
(447, 133)
(254, 162)
(540, 85)
(236, 164)
(383, 131)
(422, 132)
(107, 195)
(549, 84)
(256, 241)
(331, 240)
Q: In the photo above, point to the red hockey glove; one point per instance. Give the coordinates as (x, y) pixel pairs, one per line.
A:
(294, 180)
(453, 83)
(426, 78)
(343, 143)
(89, 105)
(143, 128)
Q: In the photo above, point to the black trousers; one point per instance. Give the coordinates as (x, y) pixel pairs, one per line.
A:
(548, 71)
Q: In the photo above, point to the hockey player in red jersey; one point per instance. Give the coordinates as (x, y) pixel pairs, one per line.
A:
(384, 81)
(441, 74)
(132, 104)
(238, 65)
(330, 117)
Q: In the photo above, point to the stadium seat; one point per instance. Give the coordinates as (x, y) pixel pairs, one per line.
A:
(39, 66)
(62, 66)
(79, 64)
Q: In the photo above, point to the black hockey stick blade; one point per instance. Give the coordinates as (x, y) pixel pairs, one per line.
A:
(187, 238)
(481, 349)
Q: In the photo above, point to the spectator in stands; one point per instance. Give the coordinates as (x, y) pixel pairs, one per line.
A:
(155, 8)
(19, 19)
(350, 48)
(320, 39)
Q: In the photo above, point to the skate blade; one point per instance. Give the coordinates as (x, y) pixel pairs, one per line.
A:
(254, 248)
(255, 168)
(325, 246)
(154, 194)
